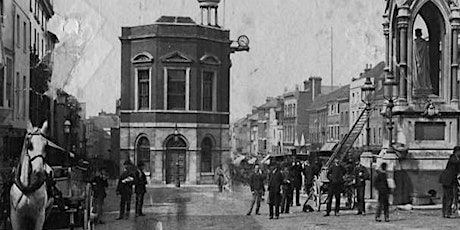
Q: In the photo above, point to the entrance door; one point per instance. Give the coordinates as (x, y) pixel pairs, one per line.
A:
(175, 160)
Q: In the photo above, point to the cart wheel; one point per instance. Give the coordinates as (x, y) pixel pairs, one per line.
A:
(88, 221)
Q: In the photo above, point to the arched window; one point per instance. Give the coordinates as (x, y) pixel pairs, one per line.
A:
(143, 153)
(206, 155)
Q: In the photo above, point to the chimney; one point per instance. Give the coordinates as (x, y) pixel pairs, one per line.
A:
(306, 85)
(368, 67)
(208, 10)
(268, 99)
(254, 109)
(315, 86)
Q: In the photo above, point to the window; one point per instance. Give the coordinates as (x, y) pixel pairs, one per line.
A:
(1, 11)
(294, 111)
(24, 96)
(176, 89)
(43, 48)
(35, 41)
(206, 155)
(143, 89)
(16, 95)
(9, 81)
(25, 37)
(143, 153)
(208, 90)
(2, 86)
(18, 31)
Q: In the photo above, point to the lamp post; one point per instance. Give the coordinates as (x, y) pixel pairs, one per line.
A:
(176, 138)
(366, 93)
(67, 125)
(389, 83)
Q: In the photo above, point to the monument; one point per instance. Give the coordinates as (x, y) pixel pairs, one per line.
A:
(422, 93)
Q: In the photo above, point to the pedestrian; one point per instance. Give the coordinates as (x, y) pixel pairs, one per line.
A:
(100, 184)
(335, 175)
(308, 174)
(274, 187)
(381, 184)
(297, 183)
(219, 177)
(448, 179)
(361, 175)
(287, 189)
(256, 183)
(139, 189)
(125, 189)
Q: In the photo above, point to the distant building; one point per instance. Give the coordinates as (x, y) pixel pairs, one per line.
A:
(269, 126)
(98, 134)
(328, 119)
(175, 97)
(376, 121)
(241, 136)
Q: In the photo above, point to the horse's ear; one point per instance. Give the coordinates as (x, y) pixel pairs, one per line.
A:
(30, 127)
(44, 127)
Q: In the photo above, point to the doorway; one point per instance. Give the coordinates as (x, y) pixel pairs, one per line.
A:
(176, 149)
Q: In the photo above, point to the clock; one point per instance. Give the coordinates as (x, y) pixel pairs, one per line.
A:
(243, 41)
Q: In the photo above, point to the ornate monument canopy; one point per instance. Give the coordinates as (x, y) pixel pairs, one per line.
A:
(420, 50)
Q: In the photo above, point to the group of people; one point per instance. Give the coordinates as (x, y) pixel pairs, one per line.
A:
(283, 180)
(131, 176)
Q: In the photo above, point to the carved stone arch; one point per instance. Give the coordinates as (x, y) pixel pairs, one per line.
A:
(181, 141)
(435, 14)
(176, 57)
(144, 57)
(210, 59)
(142, 150)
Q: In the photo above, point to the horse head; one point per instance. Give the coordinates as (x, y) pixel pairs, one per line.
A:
(32, 165)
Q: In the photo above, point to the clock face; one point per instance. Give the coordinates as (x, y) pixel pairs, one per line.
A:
(243, 40)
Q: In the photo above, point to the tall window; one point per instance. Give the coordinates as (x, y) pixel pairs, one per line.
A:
(206, 155)
(143, 82)
(18, 31)
(176, 89)
(2, 86)
(9, 81)
(208, 90)
(25, 36)
(24, 96)
(16, 95)
(1, 11)
(143, 153)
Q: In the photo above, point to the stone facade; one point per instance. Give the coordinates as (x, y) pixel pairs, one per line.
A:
(175, 99)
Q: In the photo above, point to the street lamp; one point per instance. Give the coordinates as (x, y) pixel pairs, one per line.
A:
(366, 93)
(389, 84)
(176, 138)
(67, 125)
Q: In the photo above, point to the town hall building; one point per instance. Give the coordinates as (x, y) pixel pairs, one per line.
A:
(175, 92)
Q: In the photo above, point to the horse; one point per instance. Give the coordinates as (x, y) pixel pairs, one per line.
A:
(28, 195)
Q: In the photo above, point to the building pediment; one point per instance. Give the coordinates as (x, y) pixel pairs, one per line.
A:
(210, 59)
(176, 57)
(143, 57)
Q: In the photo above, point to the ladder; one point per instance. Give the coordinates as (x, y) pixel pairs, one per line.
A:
(347, 142)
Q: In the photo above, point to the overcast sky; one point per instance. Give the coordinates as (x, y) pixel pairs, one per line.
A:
(289, 42)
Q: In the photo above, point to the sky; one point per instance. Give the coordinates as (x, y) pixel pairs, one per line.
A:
(289, 42)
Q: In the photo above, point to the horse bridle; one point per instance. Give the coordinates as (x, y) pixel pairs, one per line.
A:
(48, 143)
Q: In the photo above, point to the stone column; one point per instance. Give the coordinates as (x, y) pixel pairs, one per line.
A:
(386, 33)
(403, 21)
(455, 21)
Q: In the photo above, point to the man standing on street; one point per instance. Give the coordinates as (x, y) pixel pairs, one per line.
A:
(274, 187)
(381, 184)
(297, 183)
(99, 185)
(308, 174)
(219, 177)
(361, 175)
(448, 179)
(256, 183)
(125, 189)
(287, 189)
(335, 176)
(139, 189)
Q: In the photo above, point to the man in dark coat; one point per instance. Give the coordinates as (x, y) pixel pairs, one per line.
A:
(256, 183)
(125, 189)
(139, 189)
(297, 183)
(448, 179)
(381, 184)
(274, 187)
(361, 175)
(308, 173)
(335, 175)
(287, 189)
(99, 185)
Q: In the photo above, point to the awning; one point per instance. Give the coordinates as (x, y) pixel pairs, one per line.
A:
(328, 146)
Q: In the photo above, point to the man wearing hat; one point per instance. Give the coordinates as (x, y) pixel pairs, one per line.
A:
(125, 189)
(448, 180)
(141, 181)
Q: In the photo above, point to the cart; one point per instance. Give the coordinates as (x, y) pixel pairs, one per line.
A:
(73, 197)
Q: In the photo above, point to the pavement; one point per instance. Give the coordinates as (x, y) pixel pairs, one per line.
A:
(203, 207)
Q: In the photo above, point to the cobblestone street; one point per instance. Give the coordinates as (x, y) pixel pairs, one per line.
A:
(204, 208)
